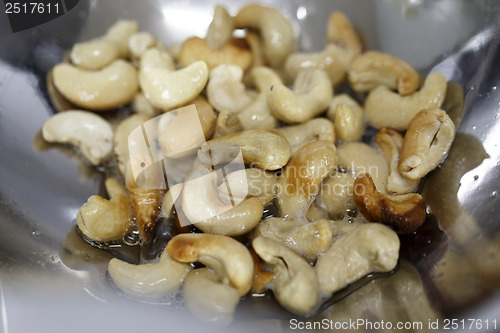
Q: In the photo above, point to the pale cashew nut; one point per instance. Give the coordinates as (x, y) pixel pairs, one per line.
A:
(311, 96)
(141, 104)
(89, 132)
(368, 248)
(391, 141)
(230, 259)
(221, 29)
(173, 194)
(227, 123)
(348, 118)
(295, 282)
(225, 91)
(100, 52)
(255, 43)
(426, 142)
(104, 220)
(59, 102)
(139, 43)
(105, 89)
(264, 149)
(312, 130)
(252, 182)
(275, 29)
(405, 213)
(152, 280)
(374, 68)
(166, 88)
(336, 191)
(385, 108)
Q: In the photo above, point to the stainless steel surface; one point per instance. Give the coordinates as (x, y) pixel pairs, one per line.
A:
(43, 286)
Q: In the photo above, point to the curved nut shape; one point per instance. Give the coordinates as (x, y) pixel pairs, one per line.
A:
(391, 141)
(426, 142)
(295, 282)
(166, 88)
(106, 220)
(230, 259)
(105, 89)
(336, 191)
(100, 52)
(340, 32)
(59, 102)
(255, 43)
(252, 182)
(148, 280)
(172, 195)
(225, 91)
(227, 123)
(264, 149)
(234, 52)
(359, 158)
(262, 276)
(368, 248)
(221, 29)
(348, 118)
(385, 108)
(208, 299)
(312, 130)
(139, 43)
(404, 213)
(275, 29)
(311, 96)
(90, 133)
(374, 68)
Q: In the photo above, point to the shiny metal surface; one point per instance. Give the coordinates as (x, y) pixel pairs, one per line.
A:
(49, 280)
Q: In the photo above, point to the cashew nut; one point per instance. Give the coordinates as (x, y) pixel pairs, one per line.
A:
(368, 248)
(426, 142)
(141, 104)
(385, 108)
(104, 89)
(166, 88)
(227, 123)
(173, 194)
(374, 68)
(139, 43)
(252, 182)
(312, 130)
(234, 52)
(404, 213)
(230, 259)
(225, 91)
(152, 280)
(221, 29)
(295, 282)
(100, 52)
(391, 141)
(275, 29)
(311, 96)
(59, 102)
(255, 43)
(348, 118)
(106, 220)
(336, 191)
(360, 158)
(264, 149)
(261, 277)
(89, 132)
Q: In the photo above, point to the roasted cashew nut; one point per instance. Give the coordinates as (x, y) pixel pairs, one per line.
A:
(295, 282)
(336, 191)
(391, 141)
(348, 118)
(368, 248)
(311, 96)
(152, 280)
(385, 108)
(426, 142)
(405, 213)
(104, 220)
(104, 89)
(165, 87)
(314, 129)
(230, 259)
(89, 132)
(275, 29)
(220, 29)
(374, 68)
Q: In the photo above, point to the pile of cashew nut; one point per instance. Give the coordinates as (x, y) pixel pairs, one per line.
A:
(339, 199)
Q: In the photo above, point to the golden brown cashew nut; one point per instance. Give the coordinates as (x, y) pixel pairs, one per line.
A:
(165, 87)
(230, 259)
(391, 141)
(336, 191)
(220, 29)
(295, 282)
(227, 123)
(342, 47)
(369, 248)
(264, 149)
(105, 89)
(374, 68)
(152, 280)
(385, 108)
(426, 142)
(311, 96)
(312, 130)
(404, 213)
(275, 29)
(106, 220)
(348, 117)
